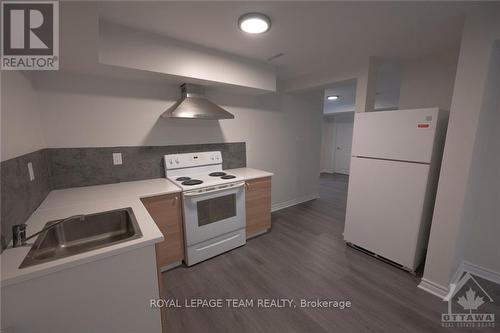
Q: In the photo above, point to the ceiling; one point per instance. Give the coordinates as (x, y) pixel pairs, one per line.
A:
(314, 36)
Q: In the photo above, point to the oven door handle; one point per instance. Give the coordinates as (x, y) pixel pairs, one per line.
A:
(217, 189)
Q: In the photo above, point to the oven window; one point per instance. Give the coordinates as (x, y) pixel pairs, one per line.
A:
(216, 209)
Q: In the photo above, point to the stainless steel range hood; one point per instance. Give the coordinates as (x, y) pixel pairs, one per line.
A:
(194, 104)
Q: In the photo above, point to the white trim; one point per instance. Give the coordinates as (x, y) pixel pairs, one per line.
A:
(454, 281)
(458, 274)
(460, 280)
(433, 288)
(467, 267)
(463, 268)
(293, 202)
(451, 292)
(480, 271)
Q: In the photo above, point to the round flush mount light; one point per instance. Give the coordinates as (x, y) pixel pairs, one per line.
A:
(254, 23)
(332, 97)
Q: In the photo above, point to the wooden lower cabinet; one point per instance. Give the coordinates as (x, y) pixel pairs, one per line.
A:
(258, 205)
(166, 211)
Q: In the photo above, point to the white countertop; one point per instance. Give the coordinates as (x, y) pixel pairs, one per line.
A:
(86, 200)
(248, 173)
(93, 199)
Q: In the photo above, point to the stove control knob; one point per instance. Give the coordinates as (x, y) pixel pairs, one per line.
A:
(213, 158)
(170, 161)
(176, 160)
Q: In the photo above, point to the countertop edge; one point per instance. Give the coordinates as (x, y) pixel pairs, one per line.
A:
(134, 199)
(250, 173)
(78, 262)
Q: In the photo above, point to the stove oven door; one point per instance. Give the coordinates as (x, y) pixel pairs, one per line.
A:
(213, 212)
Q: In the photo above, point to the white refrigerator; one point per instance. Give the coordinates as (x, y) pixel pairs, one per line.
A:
(396, 156)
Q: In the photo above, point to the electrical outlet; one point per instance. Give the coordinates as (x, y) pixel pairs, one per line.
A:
(117, 159)
(31, 172)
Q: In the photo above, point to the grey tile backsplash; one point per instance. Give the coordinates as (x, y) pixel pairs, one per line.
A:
(58, 168)
(20, 196)
(72, 167)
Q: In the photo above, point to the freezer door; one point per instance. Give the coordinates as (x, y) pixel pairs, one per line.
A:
(405, 135)
(384, 208)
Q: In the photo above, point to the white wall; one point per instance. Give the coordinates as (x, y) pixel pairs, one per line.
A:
(479, 241)
(388, 85)
(280, 130)
(481, 29)
(428, 81)
(21, 129)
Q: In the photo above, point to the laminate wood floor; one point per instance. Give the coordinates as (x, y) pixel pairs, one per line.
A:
(304, 257)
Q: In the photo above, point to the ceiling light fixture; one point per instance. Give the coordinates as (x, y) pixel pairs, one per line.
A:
(332, 97)
(254, 23)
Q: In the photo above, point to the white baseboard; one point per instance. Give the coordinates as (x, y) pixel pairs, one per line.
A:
(433, 288)
(477, 270)
(294, 202)
(464, 267)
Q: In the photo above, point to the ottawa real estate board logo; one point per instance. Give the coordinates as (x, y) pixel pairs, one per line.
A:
(30, 35)
(468, 305)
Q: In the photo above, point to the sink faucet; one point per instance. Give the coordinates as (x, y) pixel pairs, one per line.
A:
(19, 230)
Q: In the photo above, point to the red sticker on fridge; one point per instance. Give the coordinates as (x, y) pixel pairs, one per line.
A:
(423, 126)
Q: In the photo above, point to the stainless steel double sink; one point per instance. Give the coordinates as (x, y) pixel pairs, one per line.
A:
(76, 236)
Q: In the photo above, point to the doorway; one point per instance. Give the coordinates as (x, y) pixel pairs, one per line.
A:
(336, 143)
(343, 142)
(338, 118)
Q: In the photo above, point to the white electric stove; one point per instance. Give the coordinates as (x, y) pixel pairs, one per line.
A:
(213, 203)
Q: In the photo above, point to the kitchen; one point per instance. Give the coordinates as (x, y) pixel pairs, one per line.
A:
(107, 133)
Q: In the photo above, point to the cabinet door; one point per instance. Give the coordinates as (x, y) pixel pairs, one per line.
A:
(258, 206)
(166, 211)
